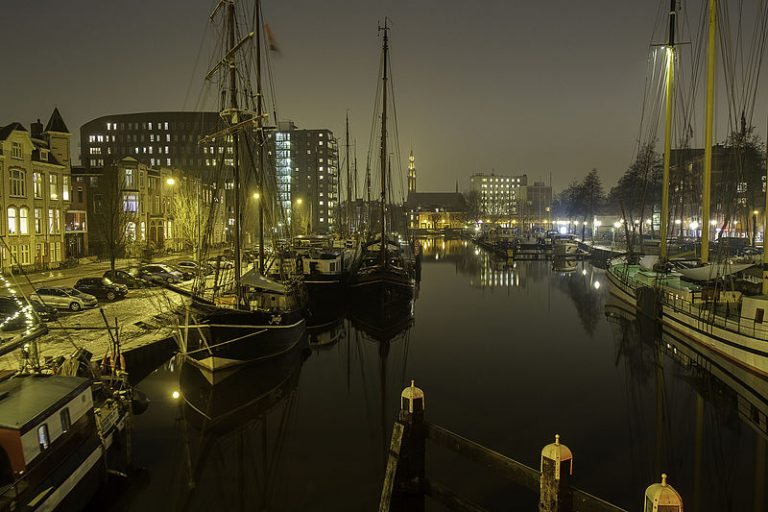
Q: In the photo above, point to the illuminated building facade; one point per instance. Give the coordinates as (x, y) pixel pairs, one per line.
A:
(167, 139)
(307, 174)
(35, 193)
(510, 200)
(500, 196)
(436, 211)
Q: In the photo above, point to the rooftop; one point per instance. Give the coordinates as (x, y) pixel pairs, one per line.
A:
(24, 400)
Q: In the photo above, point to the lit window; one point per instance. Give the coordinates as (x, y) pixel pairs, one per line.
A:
(38, 221)
(18, 182)
(24, 220)
(53, 183)
(37, 185)
(131, 203)
(13, 227)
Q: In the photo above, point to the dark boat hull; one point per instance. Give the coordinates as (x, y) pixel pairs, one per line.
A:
(227, 338)
(383, 286)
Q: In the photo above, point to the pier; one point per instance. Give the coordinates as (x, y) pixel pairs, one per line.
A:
(406, 484)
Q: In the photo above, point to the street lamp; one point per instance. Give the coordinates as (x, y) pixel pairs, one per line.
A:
(256, 196)
(170, 182)
(595, 225)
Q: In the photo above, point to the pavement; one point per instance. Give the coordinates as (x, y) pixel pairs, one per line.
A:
(144, 316)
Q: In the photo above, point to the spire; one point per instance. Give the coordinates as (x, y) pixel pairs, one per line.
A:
(411, 172)
(56, 123)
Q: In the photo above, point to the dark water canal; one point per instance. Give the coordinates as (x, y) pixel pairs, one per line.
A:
(508, 355)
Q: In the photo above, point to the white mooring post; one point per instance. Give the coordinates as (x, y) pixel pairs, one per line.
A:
(662, 498)
(554, 483)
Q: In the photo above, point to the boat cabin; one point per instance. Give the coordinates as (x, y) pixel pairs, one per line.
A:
(755, 308)
(322, 262)
(40, 415)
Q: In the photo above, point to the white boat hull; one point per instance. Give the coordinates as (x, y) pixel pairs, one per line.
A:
(748, 349)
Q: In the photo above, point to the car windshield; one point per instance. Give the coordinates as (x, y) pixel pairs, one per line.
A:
(107, 280)
(71, 291)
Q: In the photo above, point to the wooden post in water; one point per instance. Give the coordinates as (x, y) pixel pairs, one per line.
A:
(554, 484)
(409, 481)
(662, 498)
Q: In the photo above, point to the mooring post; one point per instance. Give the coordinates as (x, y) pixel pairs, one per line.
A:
(662, 497)
(411, 470)
(554, 483)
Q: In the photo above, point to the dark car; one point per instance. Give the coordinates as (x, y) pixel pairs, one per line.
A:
(101, 287)
(130, 278)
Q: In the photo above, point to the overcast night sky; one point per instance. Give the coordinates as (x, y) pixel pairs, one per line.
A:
(516, 86)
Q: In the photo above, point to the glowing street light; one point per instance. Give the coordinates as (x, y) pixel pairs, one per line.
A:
(170, 182)
(256, 196)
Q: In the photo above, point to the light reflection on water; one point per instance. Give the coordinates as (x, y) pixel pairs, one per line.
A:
(508, 354)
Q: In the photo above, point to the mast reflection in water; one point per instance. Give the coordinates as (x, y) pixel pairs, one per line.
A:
(508, 354)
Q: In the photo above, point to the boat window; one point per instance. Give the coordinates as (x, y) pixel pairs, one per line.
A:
(66, 421)
(333, 266)
(759, 315)
(42, 436)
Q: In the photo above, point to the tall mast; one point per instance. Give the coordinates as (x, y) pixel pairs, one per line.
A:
(765, 232)
(349, 185)
(354, 181)
(670, 50)
(708, 129)
(368, 195)
(235, 119)
(260, 137)
(384, 147)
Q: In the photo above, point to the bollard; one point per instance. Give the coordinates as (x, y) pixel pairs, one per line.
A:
(411, 470)
(662, 498)
(554, 483)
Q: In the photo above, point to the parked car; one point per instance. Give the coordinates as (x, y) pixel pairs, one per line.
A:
(194, 267)
(12, 317)
(160, 272)
(64, 298)
(222, 263)
(129, 277)
(101, 288)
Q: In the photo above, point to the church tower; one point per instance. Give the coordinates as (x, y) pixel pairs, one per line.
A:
(411, 173)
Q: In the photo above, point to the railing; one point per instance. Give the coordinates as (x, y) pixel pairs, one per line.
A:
(705, 313)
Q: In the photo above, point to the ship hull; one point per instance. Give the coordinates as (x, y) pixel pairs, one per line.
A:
(228, 338)
(748, 351)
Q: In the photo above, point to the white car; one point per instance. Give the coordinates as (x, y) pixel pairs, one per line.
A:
(64, 298)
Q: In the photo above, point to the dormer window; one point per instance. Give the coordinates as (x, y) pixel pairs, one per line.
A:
(16, 150)
(44, 155)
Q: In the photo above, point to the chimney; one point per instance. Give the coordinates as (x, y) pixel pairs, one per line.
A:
(37, 129)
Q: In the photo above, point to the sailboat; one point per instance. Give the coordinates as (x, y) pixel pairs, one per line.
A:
(255, 317)
(726, 322)
(386, 270)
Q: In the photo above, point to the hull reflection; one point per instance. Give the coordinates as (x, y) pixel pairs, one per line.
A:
(234, 431)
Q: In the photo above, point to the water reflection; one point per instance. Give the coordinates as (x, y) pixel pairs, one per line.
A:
(508, 352)
(234, 432)
(708, 416)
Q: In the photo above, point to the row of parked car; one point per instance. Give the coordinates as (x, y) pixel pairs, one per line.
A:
(113, 285)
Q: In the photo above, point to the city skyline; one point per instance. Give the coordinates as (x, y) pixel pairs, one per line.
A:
(540, 90)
